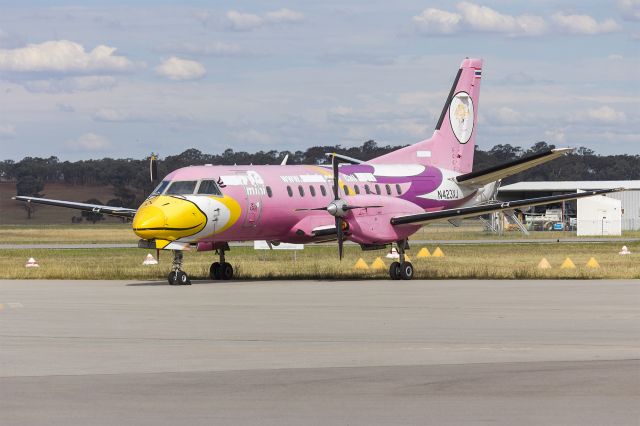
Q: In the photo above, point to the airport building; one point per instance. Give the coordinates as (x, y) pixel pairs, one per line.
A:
(591, 215)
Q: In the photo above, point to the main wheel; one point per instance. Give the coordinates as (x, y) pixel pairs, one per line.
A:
(215, 271)
(394, 271)
(406, 271)
(227, 271)
(182, 278)
(172, 278)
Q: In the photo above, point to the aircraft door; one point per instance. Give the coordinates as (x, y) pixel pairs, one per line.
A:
(254, 188)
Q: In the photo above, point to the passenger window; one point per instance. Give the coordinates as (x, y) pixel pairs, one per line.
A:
(184, 187)
(269, 192)
(367, 190)
(398, 189)
(377, 189)
(357, 189)
(323, 190)
(289, 191)
(388, 188)
(209, 187)
(301, 190)
(312, 191)
(345, 188)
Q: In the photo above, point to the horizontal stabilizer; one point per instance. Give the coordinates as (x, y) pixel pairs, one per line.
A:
(492, 174)
(464, 212)
(96, 208)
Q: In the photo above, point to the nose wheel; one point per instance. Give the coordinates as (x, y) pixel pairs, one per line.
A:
(221, 270)
(177, 276)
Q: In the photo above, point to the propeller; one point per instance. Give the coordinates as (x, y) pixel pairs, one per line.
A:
(153, 167)
(338, 208)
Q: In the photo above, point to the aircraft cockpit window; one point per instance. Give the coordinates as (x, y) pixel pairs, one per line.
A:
(160, 188)
(183, 187)
(209, 187)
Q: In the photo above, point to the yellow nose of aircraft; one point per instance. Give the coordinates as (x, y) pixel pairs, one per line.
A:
(168, 218)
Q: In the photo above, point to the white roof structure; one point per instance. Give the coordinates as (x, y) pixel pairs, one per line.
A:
(570, 185)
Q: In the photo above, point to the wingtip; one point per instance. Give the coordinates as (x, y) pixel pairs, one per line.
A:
(563, 150)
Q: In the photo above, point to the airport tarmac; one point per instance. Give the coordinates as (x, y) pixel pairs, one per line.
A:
(320, 352)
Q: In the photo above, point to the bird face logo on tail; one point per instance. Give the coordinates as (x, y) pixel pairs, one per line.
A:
(461, 116)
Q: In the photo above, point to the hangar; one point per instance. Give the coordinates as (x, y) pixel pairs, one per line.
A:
(630, 199)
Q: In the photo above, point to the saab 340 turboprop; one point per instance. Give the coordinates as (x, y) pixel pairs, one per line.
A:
(374, 203)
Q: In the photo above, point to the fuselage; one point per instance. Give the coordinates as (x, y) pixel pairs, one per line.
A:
(205, 204)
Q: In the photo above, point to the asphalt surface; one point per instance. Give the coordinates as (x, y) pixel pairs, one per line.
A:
(332, 352)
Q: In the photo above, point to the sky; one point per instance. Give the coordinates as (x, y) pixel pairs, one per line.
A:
(84, 80)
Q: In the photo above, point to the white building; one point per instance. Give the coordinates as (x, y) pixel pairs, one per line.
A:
(629, 199)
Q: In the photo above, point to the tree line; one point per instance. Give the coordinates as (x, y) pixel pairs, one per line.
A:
(130, 177)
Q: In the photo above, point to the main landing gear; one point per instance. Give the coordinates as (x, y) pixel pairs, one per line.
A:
(177, 276)
(221, 270)
(401, 270)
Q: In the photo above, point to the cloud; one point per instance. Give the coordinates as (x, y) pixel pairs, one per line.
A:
(473, 17)
(63, 56)
(482, 18)
(178, 69)
(437, 21)
(283, 16)
(583, 24)
(607, 115)
(630, 9)
(88, 142)
(248, 21)
(211, 48)
(70, 84)
(7, 131)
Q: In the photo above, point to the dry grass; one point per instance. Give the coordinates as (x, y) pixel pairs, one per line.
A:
(64, 234)
(122, 233)
(490, 261)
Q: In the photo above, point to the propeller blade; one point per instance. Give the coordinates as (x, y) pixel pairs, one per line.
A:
(346, 208)
(153, 168)
(334, 163)
(309, 210)
(340, 234)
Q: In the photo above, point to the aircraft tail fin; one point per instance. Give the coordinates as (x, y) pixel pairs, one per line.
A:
(453, 142)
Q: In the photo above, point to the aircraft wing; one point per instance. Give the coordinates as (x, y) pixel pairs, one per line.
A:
(464, 212)
(492, 174)
(96, 208)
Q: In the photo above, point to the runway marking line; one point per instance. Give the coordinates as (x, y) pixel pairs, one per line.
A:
(11, 305)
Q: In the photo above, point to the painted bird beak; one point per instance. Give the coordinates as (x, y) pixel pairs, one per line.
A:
(168, 218)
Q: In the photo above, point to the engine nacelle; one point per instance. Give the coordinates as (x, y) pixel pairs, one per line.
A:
(372, 225)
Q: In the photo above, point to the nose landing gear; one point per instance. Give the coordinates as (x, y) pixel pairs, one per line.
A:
(221, 270)
(401, 270)
(177, 276)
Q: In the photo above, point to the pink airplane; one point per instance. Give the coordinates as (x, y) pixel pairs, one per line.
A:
(375, 203)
